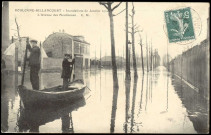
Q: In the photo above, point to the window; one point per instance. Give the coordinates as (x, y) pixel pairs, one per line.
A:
(76, 48)
(87, 49)
(82, 49)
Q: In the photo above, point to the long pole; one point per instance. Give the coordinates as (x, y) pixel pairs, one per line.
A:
(73, 70)
(24, 65)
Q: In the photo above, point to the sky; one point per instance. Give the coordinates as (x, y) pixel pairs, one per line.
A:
(96, 26)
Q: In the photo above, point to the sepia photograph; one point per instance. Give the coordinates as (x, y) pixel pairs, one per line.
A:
(105, 67)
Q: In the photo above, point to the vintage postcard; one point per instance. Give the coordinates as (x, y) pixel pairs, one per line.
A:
(105, 67)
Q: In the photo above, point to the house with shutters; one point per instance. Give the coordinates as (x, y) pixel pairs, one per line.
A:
(60, 43)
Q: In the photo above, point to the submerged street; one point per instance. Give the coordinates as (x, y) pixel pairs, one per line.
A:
(157, 102)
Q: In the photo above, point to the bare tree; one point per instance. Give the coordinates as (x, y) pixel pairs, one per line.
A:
(142, 61)
(18, 30)
(151, 56)
(147, 54)
(134, 30)
(127, 77)
(108, 6)
(17, 47)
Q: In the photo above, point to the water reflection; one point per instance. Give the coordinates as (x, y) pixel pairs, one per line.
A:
(8, 95)
(167, 92)
(127, 104)
(31, 119)
(175, 107)
(4, 108)
(195, 104)
(140, 106)
(146, 92)
(114, 106)
(133, 104)
(66, 121)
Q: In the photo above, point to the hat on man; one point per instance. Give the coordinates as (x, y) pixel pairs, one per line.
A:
(33, 40)
(67, 54)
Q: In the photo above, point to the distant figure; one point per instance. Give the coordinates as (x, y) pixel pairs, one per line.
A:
(34, 63)
(67, 66)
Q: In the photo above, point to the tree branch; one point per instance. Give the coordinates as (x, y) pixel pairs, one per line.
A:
(136, 31)
(128, 32)
(116, 6)
(17, 30)
(119, 12)
(136, 26)
(104, 4)
(133, 10)
(129, 27)
(140, 30)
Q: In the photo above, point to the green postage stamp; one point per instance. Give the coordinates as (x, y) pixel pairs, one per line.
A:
(179, 25)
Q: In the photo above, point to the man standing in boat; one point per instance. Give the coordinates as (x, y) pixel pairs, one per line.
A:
(34, 63)
(67, 66)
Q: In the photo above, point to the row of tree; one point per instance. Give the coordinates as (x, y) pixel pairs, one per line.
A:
(111, 6)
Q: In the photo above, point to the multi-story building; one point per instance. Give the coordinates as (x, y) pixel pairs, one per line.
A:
(60, 43)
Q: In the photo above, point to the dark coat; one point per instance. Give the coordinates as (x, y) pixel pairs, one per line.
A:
(67, 68)
(34, 58)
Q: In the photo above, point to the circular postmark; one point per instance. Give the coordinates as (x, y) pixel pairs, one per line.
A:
(182, 25)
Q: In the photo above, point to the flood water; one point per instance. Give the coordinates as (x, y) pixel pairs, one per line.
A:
(157, 102)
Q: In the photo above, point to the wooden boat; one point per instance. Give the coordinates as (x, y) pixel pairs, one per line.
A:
(51, 96)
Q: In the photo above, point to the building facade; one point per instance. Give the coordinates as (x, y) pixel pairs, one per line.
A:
(60, 43)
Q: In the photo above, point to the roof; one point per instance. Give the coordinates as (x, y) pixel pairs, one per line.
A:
(11, 48)
(69, 36)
